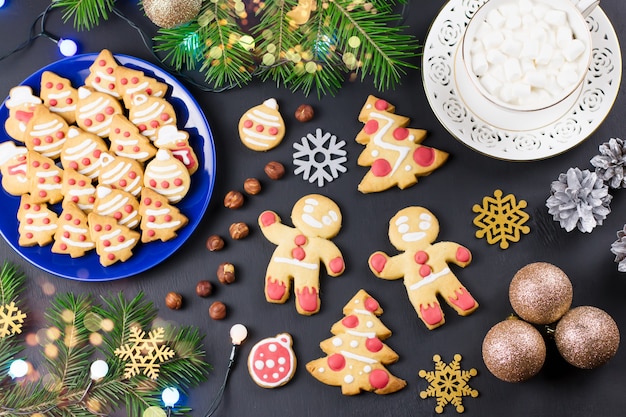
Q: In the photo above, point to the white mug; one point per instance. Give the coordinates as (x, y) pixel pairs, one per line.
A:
(512, 64)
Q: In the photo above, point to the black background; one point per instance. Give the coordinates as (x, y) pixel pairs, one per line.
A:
(450, 193)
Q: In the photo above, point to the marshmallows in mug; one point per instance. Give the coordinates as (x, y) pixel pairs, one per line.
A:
(525, 53)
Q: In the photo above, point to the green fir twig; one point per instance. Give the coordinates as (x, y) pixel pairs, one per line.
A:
(85, 14)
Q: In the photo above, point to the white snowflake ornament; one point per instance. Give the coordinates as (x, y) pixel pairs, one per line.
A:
(319, 158)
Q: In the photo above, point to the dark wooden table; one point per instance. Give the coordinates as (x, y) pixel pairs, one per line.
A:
(450, 193)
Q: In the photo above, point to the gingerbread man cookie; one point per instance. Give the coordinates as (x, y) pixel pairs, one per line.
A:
(424, 265)
(300, 250)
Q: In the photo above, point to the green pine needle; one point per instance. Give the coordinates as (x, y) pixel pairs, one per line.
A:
(86, 14)
(11, 284)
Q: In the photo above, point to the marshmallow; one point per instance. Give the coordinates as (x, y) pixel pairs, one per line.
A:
(564, 36)
(539, 11)
(511, 47)
(492, 40)
(513, 22)
(556, 17)
(479, 64)
(525, 6)
(512, 69)
(530, 49)
(536, 79)
(573, 50)
(546, 52)
(521, 90)
(495, 19)
(506, 93)
(491, 84)
(494, 56)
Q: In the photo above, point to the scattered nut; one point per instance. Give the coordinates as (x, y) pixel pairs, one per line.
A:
(214, 242)
(238, 230)
(173, 300)
(217, 310)
(204, 288)
(275, 170)
(226, 273)
(233, 200)
(304, 113)
(252, 186)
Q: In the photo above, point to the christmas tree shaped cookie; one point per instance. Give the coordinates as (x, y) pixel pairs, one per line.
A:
(95, 110)
(37, 222)
(78, 189)
(356, 356)
(131, 82)
(119, 204)
(150, 113)
(45, 179)
(59, 96)
(114, 242)
(120, 172)
(46, 132)
(159, 219)
(126, 140)
(393, 152)
(72, 236)
(81, 152)
(102, 74)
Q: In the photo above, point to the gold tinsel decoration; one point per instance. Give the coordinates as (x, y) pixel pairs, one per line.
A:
(171, 13)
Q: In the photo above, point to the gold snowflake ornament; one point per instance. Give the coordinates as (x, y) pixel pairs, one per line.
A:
(448, 383)
(11, 320)
(501, 219)
(144, 353)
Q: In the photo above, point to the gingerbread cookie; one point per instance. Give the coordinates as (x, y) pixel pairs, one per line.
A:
(126, 140)
(45, 178)
(14, 167)
(131, 82)
(356, 354)
(424, 265)
(167, 176)
(37, 223)
(119, 204)
(102, 74)
(72, 236)
(95, 110)
(393, 152)
(59, 96)
(150, 113)
(46, 132)
(114, 242)
(300, 250)
(262, 127)
(78, 189)
(177, 141)
(159, 219)
(120, 172)
(272, 361)
(81, 152)
(21, 104)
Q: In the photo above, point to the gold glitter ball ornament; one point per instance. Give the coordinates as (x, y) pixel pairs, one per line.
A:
(587, 337)
(171, 13)
(540, 293)
(514, 350)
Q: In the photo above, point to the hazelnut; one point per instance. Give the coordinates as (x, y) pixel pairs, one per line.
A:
(173, 300)
(233, 200)
(252, 186)
(274, 170)
(238, 230)
(304, 113)
(217, 310)
(204, 288)
(226, 273)
(215, 242)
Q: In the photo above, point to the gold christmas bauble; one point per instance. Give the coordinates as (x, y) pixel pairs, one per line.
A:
(587, 337)
(514, 350)
(540, 293)
(171, 13)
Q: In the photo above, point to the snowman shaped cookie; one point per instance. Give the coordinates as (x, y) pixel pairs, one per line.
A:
(424, 265)
(300, 249)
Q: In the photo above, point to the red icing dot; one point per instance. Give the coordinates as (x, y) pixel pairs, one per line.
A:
(463, 255)
(109, 70)
(45, 165)
(273, 131)
(136, 148)
(117, 215)
(97, 80)
(152, 183)
(68, 101)
(298, 253)
(97, 153)
(76, 222)
(421, 257)
(425, 270)
(99, 117)
(424, 156)
(154, 124)
(36, 207)
(91, 199)
(147, 201)
(381, 104)
(122, 183)
(379, 378)
(49, 84)
(373, 344)
(259, 128)
(75, 199)
(151, 233)
(111, 256)
(371, 304)
(124, 81)
(142, 127)
(370, 127)
(59, 135)
(42, 194)
(350, 321)
(165, 116)
(149, 91)
(401, 133)
(36, 141)
(165, 184)
(300, 240)
(36, 164)
(134, 80)
(86, 161)
(157, 204)
(59, 86)
(26, 206)
(336, 362)
(82, 238)
(126, 134)
(29, 235)
(121, 238)
(88, 122)
(248, 124)
(106, 243)
(46, 220)
(381, 168)
(111, 86)
(132, 175)
(178, 182)
(74, 165)
(66, 234)
(151, 218)
(168, 218)
(63, 246)
(68, 217)
(107, 227)
(48, 139)
(41, 180)
(128, 208)
(53, 102)
(29, 221)
(120, 148)
(97, 227)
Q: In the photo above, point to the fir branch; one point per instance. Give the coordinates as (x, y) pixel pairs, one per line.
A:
(182, 44)
(11, 284)
(86, 14)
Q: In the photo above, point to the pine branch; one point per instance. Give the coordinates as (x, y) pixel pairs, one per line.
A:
(183, 45)
(11, 284)
(86, 14)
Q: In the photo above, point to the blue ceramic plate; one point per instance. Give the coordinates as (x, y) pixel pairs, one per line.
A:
(146, 255)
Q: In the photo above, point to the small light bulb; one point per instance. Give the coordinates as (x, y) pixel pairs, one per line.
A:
(67, 47)
(99, 369)
(238, 333)
(19, 367)
(1, 3)
(170, 396)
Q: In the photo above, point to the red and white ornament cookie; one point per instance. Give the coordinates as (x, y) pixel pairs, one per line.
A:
(262, 127)
(272, 361)
(167, 176)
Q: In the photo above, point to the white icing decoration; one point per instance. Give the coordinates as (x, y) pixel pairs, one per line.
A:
(354, 344)
(325, 147)
(337, 341)
(348, 379)
(430, 278)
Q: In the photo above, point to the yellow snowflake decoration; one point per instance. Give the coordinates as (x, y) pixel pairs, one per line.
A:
(448, 383)
(144, 354)
(501, 219)
(11, 320)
